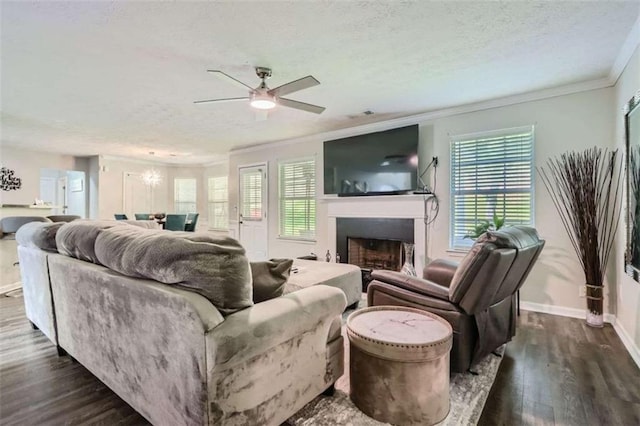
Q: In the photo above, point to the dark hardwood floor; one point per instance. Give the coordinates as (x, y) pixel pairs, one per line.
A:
(557, 371)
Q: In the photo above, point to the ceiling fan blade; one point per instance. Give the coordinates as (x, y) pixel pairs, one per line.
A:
(262, 114)
(294, 86)
(301, 105)
(226, 77)
(222, 100)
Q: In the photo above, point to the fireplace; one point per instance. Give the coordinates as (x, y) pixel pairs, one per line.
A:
(378, 229)
(371, 253)
(394, 218)
(373, 243)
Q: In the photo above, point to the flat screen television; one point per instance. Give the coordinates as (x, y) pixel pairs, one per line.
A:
(381, 163)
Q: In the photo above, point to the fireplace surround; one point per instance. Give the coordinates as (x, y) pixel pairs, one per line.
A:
(383, 210)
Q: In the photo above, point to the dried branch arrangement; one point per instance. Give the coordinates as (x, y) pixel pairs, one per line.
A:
(585, 189)
(633, 174)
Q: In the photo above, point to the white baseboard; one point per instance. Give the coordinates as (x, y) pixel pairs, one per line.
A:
(6, 288)
(562, 311)
(628, 343)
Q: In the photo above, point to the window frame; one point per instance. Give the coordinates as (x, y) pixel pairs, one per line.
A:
(313, 199)
(224, 202)
(175, 193)
(454, 245)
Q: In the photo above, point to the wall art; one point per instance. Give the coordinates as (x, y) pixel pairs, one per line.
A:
(10, 182)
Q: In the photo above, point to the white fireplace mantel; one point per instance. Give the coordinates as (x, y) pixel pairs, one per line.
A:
(388, 206)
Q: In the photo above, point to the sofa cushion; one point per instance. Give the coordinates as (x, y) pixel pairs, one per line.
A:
(77, 239)
(269, 278)
(215, 267)
(40, 235)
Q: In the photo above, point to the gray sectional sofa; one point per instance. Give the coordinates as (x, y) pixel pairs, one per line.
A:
(169, 325)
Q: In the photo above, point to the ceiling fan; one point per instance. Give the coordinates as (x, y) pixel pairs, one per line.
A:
(264, 98)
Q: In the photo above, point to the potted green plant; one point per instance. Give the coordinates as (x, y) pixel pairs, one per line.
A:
(486, 225)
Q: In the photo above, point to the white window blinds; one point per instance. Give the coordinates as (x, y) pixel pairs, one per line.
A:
(251, 193)
(184, 195)
(491, 173)
(297, 181)
(218, 203)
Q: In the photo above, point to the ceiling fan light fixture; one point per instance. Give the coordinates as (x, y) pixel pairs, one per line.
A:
(262, 101)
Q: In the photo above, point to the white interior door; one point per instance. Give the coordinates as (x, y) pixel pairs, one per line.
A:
(253, 211)
(61, 196)
(48, 189)
(135, 195)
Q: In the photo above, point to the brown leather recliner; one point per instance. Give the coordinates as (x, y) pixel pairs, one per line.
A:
(476, 296)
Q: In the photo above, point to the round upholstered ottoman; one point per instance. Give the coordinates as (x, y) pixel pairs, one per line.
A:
(399, 364)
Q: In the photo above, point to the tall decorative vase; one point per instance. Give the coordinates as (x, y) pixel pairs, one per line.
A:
(585, 188)
(594, 305)
(407, 267)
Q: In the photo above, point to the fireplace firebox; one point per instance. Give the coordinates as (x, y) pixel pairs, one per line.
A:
(373, 243)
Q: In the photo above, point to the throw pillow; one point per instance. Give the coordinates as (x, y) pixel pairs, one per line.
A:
(269, 278)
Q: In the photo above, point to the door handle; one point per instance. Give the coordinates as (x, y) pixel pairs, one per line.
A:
(240, 220)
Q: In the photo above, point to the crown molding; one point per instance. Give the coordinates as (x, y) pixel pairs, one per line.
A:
(423, 118)
(627, 50)
(131, 160)
(223, 159)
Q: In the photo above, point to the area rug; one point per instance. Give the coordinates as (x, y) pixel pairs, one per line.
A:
(468, 395)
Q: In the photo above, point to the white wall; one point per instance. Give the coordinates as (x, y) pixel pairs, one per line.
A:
(270, 155)
(628, 291)
(563, 123)
(93, 180)
(213, 170)
(27, 165)
(110, 182)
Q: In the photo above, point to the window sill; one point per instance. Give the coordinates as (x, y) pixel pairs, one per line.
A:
(458, 252)
(297, 240)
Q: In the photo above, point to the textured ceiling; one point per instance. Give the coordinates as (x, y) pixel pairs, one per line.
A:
(120, 78)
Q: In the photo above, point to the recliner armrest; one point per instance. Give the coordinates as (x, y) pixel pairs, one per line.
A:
(440, 271)
(418, 285)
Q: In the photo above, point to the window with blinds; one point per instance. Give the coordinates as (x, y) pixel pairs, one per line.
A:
(184, 195)
(491, 173)
(251, 194)
(218, 202)
(297, 181)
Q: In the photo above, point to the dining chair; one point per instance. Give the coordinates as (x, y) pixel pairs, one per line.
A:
(120, 216)
(192, 220)
(143, 216)
(175, 222)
